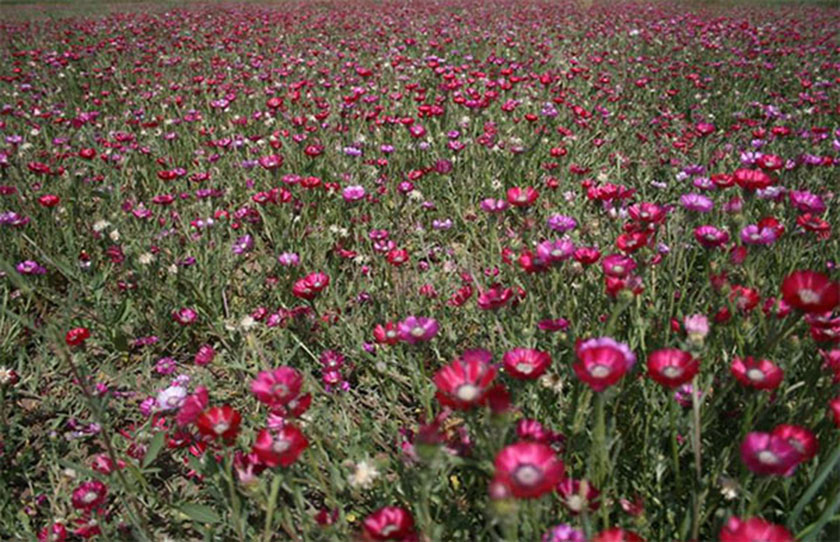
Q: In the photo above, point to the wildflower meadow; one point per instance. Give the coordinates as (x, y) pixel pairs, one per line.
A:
(434, 271)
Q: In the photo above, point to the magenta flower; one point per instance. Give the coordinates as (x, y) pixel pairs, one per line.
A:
(416, 329)
(553, 252)
(353, 193)
(492, 205)
(184, 316)
(697, 203)
(754, 235)
(768, 454)
(710, 236)
(30, 267)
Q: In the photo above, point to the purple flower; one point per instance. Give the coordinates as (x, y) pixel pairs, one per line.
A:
(444, 224)
(416, 329)
(555, 251)
(353, 193)
(165, 366)
(753, 235)
(30, 267)
(492, 205)
(288, 259)
(697, 203)
(563, 533)
(806, 202)
(561, 223)
(243, 244)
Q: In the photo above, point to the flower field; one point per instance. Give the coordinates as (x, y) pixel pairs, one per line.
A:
(430, 271)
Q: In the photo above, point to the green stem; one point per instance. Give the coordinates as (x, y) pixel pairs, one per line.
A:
(272, 502)
(698, 469)
(675, 447)
(234, 498)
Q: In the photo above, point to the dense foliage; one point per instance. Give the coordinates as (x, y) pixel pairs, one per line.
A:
(451, 271)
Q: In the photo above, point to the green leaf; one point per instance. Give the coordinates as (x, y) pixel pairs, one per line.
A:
(154, 449)
(200, 513)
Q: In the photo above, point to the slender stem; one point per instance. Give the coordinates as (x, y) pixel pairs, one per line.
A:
(272, 502)
(698, 469)
(234, 498)
(675, 447)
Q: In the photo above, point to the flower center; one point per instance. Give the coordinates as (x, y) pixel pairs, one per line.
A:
(467, 392)
(672, 371)
(417, 332)
(221, 427)
(618, 269)
(280, 445)
(809, 296)
(575, 503)
(279, 389)
(389, 529)
(599, 371)
(766, 457)
(756, 375)
(524, 368)
(527, 475)
(89, 497)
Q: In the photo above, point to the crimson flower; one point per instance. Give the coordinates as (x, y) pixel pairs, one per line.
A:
(89, 495)
(672, 367)
(810, 291)
(219, 422)
(761, 375)
(526, 363)
(389, 523)
(464, 383)
(765, 453)
(617, 534)
(528, 469)
(743, 530)
(310, 286)
(278, 387)
(77, 336)
(281, 447)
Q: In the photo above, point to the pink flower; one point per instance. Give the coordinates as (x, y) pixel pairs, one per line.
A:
(765, 453)
(89, 495)
(526, 363)
(464, 383)
(743, 530)
(184, 316)
(278, 387)
(528, 469)
(416, 329)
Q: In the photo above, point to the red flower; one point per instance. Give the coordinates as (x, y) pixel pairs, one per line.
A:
(761, 375)
(77, 336)
(280, 447)
(219, 422)
(834, 410)
(389, 523)
(522, 197)
(738, 530)
(310, 286)
(810, 291)
(800, 438)
(49, 200)
(526, 363)
(278, 387)
(387, 334)
(600, 367)
(765, 453)
(752, 179)
(672, 367)
(617, 534)
(89, 495)
(464, 383)
(745, 299)
(494, 297)
(528, 469)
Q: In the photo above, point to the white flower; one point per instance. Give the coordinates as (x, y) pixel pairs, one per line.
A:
(363, 475)
(247, 322)
(171, 398)
(114, 235)
(100, 225)
(146, 258)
